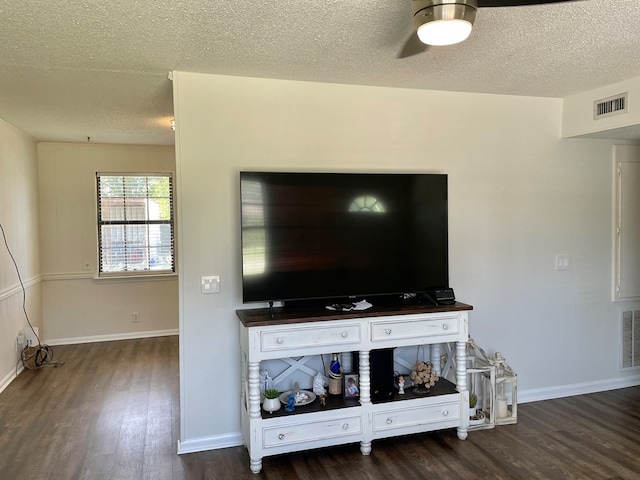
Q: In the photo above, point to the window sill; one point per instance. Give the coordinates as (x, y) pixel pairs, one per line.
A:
(149, 277)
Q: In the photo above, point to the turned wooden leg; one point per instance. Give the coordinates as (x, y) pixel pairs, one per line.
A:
(255, 465)
(365, 448)
(461, 384)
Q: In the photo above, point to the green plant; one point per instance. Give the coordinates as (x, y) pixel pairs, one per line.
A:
(271, 393)
(473, 400)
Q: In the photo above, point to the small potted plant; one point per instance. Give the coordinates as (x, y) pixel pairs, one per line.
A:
(473, 401)
(476, 417)
(271, 400)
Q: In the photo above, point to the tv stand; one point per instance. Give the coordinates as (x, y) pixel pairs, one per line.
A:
(315, 331)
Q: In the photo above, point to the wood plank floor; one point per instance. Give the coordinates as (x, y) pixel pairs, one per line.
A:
(111, 412)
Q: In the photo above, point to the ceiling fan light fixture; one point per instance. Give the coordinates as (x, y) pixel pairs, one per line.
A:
(444, 23)
(444, 32)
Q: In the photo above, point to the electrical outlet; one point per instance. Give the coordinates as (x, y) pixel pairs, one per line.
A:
(31, 336)
(20, 341)
(135, 318)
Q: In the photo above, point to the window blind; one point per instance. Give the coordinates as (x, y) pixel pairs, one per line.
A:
(135, 223)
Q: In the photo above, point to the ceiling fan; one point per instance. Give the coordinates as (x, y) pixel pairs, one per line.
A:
(446, 22)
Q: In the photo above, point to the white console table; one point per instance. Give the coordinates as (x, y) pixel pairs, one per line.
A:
(302, 332)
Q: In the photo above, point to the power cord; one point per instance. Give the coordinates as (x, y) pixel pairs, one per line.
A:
(32, 358)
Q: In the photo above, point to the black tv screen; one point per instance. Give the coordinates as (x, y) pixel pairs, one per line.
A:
(342, 235)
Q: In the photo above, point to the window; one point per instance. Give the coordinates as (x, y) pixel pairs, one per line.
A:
(135, 224)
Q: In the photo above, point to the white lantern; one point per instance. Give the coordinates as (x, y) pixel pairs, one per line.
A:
(506, 392)
(482, 384)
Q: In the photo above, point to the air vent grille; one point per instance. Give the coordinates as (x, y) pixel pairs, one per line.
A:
(630, 339)
(607, 107)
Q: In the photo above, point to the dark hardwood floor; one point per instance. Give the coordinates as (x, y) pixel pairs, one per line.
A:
(111, 412)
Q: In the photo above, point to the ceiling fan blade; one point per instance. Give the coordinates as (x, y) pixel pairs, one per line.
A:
(413, 46)
(517, 3)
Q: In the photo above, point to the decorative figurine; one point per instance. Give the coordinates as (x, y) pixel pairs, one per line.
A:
(290, 404)
(266, 382)
(318, 385)
(335, 366)
(401, 384)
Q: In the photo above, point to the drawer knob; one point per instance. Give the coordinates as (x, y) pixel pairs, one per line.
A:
(281, 436)
(445, 413)
(345, 426)
(389, 421)
(345, 334)
(387, 331)
(445, 326)
(280, 340)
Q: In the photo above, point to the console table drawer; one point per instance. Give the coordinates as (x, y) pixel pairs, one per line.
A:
(415, 416)
(306, 337)
(415, 328)
(294, 433)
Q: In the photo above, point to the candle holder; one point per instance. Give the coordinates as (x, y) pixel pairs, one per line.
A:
(494, 383)
(482, 384)
(507, 387)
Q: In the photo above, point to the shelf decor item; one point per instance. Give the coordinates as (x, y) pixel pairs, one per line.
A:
(351, 385)
(506, 392)
(423, 376)
(335, 376)
(271, 401)
(473, 401)
(495, 385)
(482, 382)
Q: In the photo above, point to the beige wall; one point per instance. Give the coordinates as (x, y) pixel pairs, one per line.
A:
(77, 307)
(19, 219)
(518, 196)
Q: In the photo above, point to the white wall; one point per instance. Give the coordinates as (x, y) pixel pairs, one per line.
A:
(519, 195)
(577, 117)
(76, 306)
(19, 219)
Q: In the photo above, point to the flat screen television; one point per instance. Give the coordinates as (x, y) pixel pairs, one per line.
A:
(310, 236)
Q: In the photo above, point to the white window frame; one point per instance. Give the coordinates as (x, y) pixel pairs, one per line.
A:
(136, 272)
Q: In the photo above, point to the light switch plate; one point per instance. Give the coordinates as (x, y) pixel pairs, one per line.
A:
(210, 284)
(562, 262)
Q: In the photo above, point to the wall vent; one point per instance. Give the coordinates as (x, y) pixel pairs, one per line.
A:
(610, 106)
(630, 339)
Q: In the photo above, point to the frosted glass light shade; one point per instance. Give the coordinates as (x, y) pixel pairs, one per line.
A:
(446, 23)
(444, 32)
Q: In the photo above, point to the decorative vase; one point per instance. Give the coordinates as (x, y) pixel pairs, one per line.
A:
(335, 376)
(421, 390)
(271, 404)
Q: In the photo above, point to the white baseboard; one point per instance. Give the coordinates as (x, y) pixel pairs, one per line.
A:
(210, 443)
(111, 337)
(10, 377)
(548, 393)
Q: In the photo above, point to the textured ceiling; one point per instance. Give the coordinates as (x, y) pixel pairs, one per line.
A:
(73, 69)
